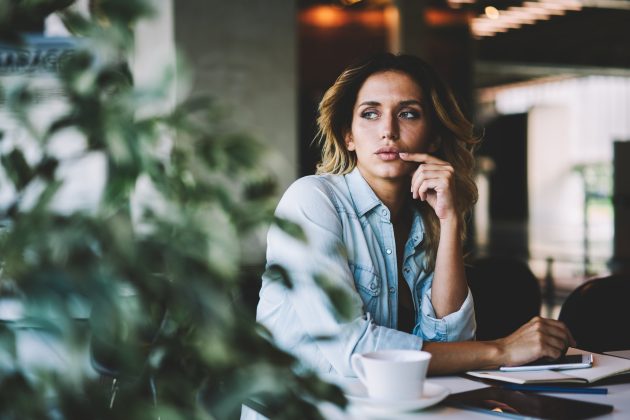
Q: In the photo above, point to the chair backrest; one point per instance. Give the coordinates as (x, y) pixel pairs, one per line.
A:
(506, 295)
(598, 314)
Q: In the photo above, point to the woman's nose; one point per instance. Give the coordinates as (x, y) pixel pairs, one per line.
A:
(389, 130)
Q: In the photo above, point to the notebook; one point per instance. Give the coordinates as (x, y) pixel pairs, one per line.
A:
(620, 353)
(603, 367)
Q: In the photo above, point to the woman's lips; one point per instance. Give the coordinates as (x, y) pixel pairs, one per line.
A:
(388, 153)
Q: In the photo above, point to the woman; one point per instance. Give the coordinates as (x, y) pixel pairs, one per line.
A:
(384, 220)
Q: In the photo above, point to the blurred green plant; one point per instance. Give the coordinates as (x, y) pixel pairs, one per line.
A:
(161, 278)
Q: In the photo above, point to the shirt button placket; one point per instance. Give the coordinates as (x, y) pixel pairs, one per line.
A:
(389, 251)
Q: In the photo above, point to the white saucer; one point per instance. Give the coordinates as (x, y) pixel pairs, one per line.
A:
(433, 393)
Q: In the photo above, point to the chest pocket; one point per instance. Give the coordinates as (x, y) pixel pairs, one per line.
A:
(368, 284)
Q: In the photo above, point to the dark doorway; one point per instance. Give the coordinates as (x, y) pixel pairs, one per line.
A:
(505, 142)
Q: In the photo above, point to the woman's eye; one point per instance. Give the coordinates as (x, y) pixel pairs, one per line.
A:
(409, 115)
(369, 115)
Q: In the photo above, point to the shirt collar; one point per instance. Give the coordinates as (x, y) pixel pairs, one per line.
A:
(364, 200)
(363, 197)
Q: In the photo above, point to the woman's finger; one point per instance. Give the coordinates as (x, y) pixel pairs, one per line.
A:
(421, 158)
(435, 167)
(553, 336)
(419, 176)
(558, 329)
(436, 181)
(432, 184)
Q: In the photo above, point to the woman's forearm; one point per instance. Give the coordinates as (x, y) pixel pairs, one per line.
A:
(538, 338)
(449, 289)
(457, 357)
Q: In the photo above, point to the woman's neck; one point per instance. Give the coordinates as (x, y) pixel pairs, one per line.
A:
(393, 193)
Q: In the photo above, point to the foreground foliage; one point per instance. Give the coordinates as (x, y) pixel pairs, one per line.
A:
(150, 281)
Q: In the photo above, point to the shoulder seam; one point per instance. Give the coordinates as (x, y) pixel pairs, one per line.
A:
(331, 194)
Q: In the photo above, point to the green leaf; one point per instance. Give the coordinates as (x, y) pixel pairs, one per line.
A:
(341, 300)
(290, 228)
(7, 342)
(46, 168)
(19, 17)
(278, 273)
(17, 168)
(260, 188)
(124, 11)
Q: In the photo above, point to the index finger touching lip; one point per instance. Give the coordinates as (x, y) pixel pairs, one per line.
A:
(420, 157)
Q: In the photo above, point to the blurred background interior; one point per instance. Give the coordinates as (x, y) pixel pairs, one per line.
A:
(547, 82)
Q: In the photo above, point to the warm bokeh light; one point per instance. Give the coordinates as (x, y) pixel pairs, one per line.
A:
(492, 12)
(335, 17)
(324, 16)
(371, 18)
(441, 17)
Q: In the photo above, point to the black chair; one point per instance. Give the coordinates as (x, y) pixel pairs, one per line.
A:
(506, 295)
(598, 314)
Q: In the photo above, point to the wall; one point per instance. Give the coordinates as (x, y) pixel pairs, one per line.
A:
(243, 52)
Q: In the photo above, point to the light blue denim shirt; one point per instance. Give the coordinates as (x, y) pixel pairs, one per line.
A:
(351, 242)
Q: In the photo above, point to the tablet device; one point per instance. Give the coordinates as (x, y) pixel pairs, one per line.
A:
(518, 404)
(575, 361)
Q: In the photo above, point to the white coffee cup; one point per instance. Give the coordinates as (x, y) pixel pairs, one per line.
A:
(392, 375)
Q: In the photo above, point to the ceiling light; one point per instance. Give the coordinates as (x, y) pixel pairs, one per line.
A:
(492, 12)
(534, 5)
(528, 12)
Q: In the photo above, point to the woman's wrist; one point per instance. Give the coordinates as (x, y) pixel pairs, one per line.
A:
(450, 223)
(497, 354)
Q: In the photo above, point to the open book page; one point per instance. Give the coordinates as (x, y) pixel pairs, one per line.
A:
(620, 353)
(526, 377)
(603, 367)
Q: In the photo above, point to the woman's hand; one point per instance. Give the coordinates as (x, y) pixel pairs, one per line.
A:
(433, 182)
(540, 337)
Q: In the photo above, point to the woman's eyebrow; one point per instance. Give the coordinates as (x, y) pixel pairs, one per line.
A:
(411, 102)
(401, 103)
(369, 103)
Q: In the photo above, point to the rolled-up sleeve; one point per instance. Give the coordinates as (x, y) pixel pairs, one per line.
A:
(298, 316)
(456, 326)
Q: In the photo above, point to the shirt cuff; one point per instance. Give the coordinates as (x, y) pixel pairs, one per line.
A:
(457, 326)
(365, 336)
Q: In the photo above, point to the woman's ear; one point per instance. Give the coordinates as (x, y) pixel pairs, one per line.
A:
(349, 142)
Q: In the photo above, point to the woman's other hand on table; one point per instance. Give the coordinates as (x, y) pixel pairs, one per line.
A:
(540, 337)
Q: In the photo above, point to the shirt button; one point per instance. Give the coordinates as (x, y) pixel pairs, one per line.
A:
(372, 286)
(388, 251)
(406, 269)
(384, 212)
(392, 290)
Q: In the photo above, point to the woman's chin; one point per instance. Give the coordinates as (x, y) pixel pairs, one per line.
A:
(399, 174)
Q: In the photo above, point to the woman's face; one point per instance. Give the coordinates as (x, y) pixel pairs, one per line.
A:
(389, 117)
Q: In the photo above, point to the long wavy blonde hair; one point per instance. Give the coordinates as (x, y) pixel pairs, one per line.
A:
(453, 134)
